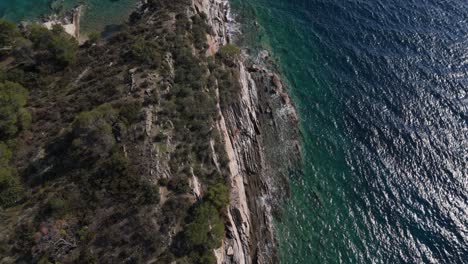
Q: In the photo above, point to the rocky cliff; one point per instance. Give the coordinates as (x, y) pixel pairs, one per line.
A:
(161, 143)
(261, 139)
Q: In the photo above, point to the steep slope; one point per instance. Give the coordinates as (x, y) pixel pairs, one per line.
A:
(158, 144)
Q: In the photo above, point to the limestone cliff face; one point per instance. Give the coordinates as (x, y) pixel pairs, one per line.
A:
(261, 138)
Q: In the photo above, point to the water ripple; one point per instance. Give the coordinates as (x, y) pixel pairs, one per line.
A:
(382, 90)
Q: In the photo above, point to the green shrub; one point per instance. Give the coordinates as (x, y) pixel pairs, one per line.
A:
(166, 257)
(94, 37)
(13, 94)
(163, 182)
(39, 35)
(218, 196)
(130, 112)
(94, 119)
(228, 83)
(24, 119)
(138, 49)
(146, 52)
(10, 187)
(207, 257)
(5, 154)
(85, 234)
(87, 256)
(92, 132)
(117, 164)
(116, 175)
(13, 115)
(55, 207)
(62, 47)
(44, 260)
(171, 6)
(229, 53)
(150, 194)
(8, 33)
(207, 228)
(199, 31)
(179, 184)
(203, 257)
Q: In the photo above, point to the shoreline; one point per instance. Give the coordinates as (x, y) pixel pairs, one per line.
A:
(262, 116)
(78, 20)
(70, 22)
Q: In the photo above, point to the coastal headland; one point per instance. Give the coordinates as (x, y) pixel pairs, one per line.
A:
(162, 143)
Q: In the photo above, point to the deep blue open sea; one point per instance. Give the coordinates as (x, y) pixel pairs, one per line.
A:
(382, 91)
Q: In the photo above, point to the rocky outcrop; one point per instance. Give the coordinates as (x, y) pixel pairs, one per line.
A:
(69, 22)
(261, 136)
(216, 12)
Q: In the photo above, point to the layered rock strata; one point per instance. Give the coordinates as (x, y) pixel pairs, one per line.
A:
(261, 138)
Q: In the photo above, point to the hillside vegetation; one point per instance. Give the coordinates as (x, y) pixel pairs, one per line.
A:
(109, 151)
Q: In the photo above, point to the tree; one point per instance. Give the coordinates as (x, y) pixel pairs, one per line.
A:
(39, 35)
(5, 154)
(146, 52)
(179, 184)
(92, 132)
(13, 115)
(62, 47)
(203, 257)
(10, 187)
(130, 112)
(150, 193)
(8, 33)
(24, 119)
(218, 196)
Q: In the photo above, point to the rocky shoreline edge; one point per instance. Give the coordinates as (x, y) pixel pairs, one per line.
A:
(70, 22)
(261, 137)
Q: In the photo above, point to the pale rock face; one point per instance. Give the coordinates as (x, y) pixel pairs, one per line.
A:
(230, 251)
(72, 28)
(238, 202)
(216, 12)
(69, 28)
(253, 182)
(196, 186)
(148, 121)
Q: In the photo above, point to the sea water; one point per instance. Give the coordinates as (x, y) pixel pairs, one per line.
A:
(382, 92)
(97, 14)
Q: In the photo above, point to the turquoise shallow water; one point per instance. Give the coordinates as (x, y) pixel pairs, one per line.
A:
(17, 10)
(97, 13)
(382, 92)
